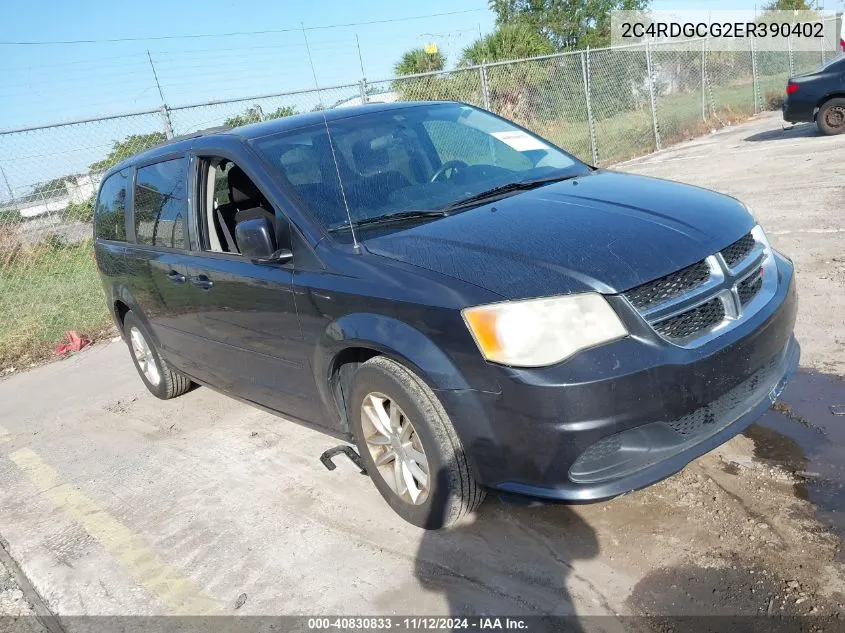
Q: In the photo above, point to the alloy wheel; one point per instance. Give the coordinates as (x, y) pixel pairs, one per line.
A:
(144, 356)
(395, 448)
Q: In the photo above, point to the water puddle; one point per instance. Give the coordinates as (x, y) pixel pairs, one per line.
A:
(802, 434)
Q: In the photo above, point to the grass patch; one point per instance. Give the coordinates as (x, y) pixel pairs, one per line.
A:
(625, 134)
(45, 291)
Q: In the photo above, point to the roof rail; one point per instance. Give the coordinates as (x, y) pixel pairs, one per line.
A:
(199, 133)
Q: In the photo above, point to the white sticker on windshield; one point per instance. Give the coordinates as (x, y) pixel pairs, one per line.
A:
(519, 140)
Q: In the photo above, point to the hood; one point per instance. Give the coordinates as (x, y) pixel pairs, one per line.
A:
(606, 232)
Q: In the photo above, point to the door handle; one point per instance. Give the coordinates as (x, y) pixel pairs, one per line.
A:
(202, 282)
(176, 277)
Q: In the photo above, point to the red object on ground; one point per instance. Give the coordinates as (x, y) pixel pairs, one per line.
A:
(74, 344)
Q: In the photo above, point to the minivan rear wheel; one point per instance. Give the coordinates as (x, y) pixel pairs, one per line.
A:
(162, 381)
(409, 446)
(831, 116)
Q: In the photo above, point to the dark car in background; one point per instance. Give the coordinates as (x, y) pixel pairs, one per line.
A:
(474, 307)
(818, 96)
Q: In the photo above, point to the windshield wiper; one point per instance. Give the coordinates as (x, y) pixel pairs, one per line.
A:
(501, 190)
(391, 218)
(415, 214)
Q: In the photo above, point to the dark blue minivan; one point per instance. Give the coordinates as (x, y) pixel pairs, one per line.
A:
(474, 307)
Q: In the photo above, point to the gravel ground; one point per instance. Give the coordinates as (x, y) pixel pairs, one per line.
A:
(16, 614)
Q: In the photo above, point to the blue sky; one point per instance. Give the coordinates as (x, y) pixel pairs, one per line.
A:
(60, 81)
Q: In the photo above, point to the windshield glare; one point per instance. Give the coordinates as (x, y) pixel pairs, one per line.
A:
(421, 158)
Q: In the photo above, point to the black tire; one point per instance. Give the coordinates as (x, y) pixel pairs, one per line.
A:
(170, 383)
(831, 116)
(453, 490)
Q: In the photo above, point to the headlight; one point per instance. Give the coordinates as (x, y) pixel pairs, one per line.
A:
(540, 332)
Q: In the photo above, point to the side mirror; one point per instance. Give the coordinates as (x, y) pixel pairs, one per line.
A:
(257, 242)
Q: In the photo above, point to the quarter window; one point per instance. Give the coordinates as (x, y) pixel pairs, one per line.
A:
(110, 213)
(161, 203)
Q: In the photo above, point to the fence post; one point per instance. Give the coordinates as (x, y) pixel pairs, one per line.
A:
(485, 88)
(362, 88)
(9, 188)
(791, 61)
(824, 38)
(651, 95)
(703, 80)
(754, 84)
(591, 130)
(165, 117)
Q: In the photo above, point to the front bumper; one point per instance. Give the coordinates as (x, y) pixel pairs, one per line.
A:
(625, 415)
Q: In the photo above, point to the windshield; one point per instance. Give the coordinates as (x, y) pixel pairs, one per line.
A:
(420, 158)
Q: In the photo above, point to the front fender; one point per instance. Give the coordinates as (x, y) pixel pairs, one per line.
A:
(387, 336)
(413, 349)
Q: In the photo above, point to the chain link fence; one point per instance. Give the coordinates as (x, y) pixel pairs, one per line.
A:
(603, 105)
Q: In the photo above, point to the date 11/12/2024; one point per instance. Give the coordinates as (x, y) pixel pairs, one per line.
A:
(418, 623)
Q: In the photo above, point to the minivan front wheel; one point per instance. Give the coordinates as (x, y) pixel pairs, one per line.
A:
(409, 446)
(162, 381)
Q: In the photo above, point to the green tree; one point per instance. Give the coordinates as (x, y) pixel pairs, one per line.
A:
(131, 145)
(568, 24)
(80, 211)
(280, 112)
(516, 40)
(254, 114)
(417, 61)
(787, 5)
(250, 115)
(48, 189)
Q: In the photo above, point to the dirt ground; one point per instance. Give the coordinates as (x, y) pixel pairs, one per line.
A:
(116, 503)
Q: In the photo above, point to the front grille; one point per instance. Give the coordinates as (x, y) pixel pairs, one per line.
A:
(692, 321)
(750, 286)
(673, 285)
(737, 251)
(691, 306)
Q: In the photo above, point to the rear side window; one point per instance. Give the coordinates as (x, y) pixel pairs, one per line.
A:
(161, 203)
(110, 213)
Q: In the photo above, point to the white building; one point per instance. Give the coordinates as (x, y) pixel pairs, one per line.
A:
(78, 188)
